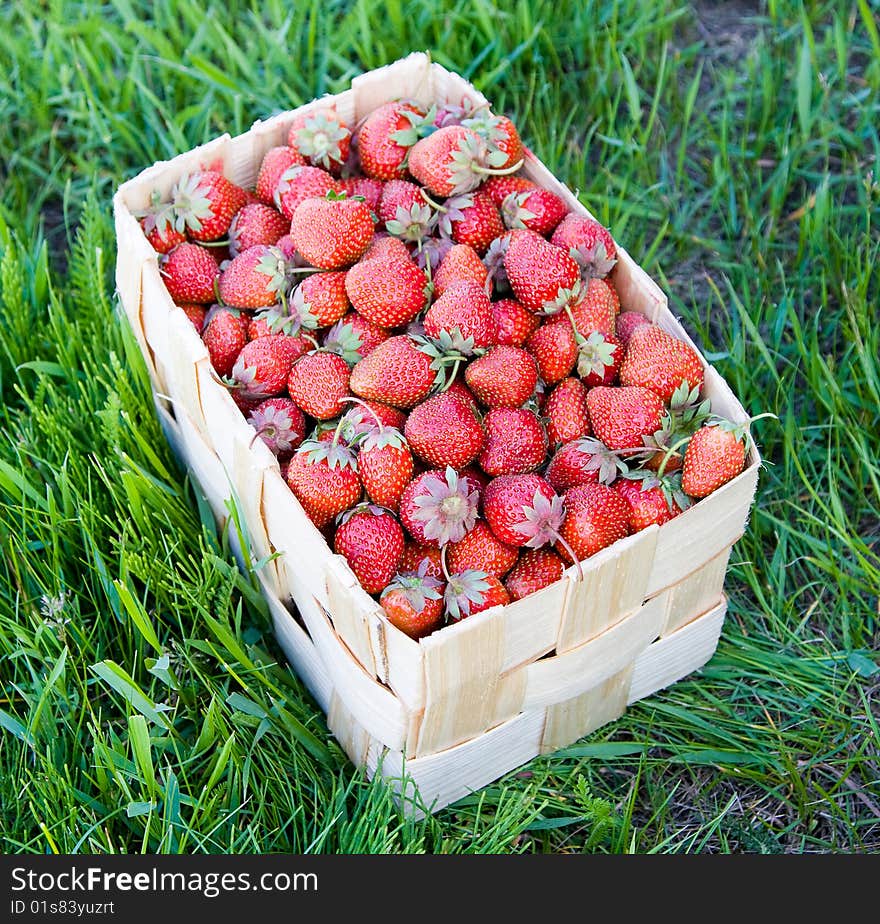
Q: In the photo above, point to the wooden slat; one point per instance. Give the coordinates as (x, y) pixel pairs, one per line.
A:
(409, 78)
(350, 614)
(531, 625)
(697, 593)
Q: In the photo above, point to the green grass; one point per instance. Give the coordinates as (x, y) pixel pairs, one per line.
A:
(734, 150)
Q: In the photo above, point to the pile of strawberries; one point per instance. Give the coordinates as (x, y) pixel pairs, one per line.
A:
(434, 350)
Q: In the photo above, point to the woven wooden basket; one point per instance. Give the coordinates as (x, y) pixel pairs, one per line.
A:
(465, 705)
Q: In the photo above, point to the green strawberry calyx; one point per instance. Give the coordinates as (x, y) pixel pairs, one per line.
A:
(464, 590)
(670, 485)
(448, 507)
(604, 461)
(320, 138)
(418, 587)
(335, 454)
(595, 354)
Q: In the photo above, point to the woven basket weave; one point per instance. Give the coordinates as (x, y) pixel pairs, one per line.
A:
(478, 698)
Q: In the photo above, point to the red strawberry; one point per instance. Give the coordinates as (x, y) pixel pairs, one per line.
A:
(333, 232)
(157, 221)
(444, 431)
(354, 337)
(256, 224)
(471, 592)
(318, 383)
(453, 160)
(534, 208)
(196, 314)
(620, 417)
(371, 541)
(463, 393)
(439, 507)
(385, 465)
(279, 424)
(583, 461)
(515, 442)
(254, 279)
(522, 510)
(414, 603)
(386, 137)
(566, 412)
(461, 263)
(262, 367)
(500, 134)
(384, 245)
(324, 480)
(588, 242)
(599, 359)
(473, 219)
(189, 272)
(535, 570)
(594, 310)
(660, 362)
(479, 550)
(555, 351)
(515, 323)
(368, 189)
(300, 183)
(596, 516)
(396, 372)
(388, 291)
(543, 276)
(399, 194)
(276, 162)
(498, 188)
(715, 454)
(204, 204)
(464, 309)
(321, 137)
(627, 322)
(415, 554)
(287, 247)
(225, 335)
(651, 500)
(504, 377)
(320, 299)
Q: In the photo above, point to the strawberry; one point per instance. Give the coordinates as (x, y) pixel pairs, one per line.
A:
(471, 218)
(196, 314)
(387, 416)
(225, 335)
(515, 323)
(660, 362)
(459, 390)
(386, 137)
(256, 224)
(189, 272)
(254, 279)
(555, 351)
(464, 313)
(515, 442)
(396, 372)
(320, 300)
(276, 162)
(371, 541)
(415, 555)
(500, 134)
(444, 431)
(599, 359)
(413, 603)
(354, 337)
(594, 310)
(399, 195)
(368, 189)
(387, 290)
(583, 461)
(522, 510)
(471, 592)
(321, 137)
(651, 500)
(318, 383)
(204, 204)
(157, 222)
(596, 516)
(627, 322)
(534, 208)
(566, 412)
(715, 454)
(324, 480)
(279, 424)
(588, 242)
(620, 417)
(461, 263)
(384, 245)
(385, 465)
(438, 507)
(261, 368)
(498, 188)
(300, 183)
(535, 570)
(332, 232)
(479, 550)
(505, 376)
(454, 160)
(544, 278)
(288, 248)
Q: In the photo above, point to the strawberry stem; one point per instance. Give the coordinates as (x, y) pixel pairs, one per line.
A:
(573, 557)
(443, 566)
(431, 202)
(490, 171)
(368, 409)
(670, 453)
